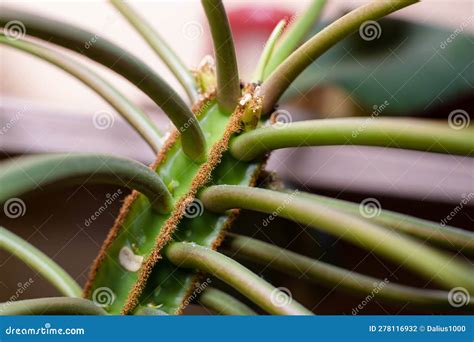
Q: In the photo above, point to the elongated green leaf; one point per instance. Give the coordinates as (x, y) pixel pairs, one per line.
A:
(26, 174)
(135, 117)
(190, 255)
(423, 135)
(228, 82)
(295, 34)
(159, 45)
(51, 306)
(446, 236)
(426, 261)
(223, 303)
(40, 262)
(111, 56)
(332, 276)
(268, 51)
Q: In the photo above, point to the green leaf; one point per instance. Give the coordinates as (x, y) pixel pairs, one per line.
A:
(410, 252)
(40, 262)
(25, 174)
(134, 116)
(228, 82)
(191, 255)
(122, 62)
(51, 306)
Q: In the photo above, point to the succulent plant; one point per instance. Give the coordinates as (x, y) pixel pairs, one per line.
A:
(164, 241)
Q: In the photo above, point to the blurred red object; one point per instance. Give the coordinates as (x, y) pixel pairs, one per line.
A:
(251, 27)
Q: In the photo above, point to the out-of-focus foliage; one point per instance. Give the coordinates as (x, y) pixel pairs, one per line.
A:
(413, 67)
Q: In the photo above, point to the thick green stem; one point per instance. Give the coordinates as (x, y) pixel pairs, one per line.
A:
(133, 69)
(445, 236)
(224, 304)
(268, 51)
(414, 134)
(159, 45)
(40, 262)
(228, 82)
(294, 35)
(51, 306)
(274, 301)
(25, 174)
(434, 265)
(281, 78)
(134, 116)
(332, 276)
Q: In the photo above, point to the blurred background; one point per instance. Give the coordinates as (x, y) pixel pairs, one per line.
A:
(420, 64)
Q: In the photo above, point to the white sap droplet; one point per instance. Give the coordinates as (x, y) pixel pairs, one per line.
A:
(129, 260)
(246, 98)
